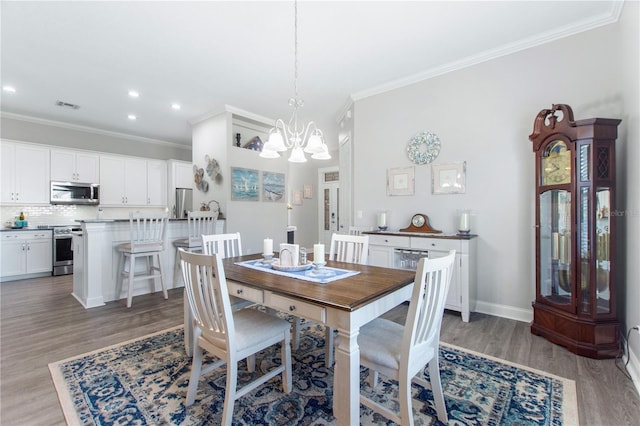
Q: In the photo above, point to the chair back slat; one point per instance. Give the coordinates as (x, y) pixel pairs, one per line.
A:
(199, 224)
(206, 289)
(349, 248)
(147, 228)
(225, 245)
(358, 230)
(431, 285)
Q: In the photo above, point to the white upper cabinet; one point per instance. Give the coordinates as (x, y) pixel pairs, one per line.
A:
(127, 181)
(74, 166)
(25, 174)
(156, 183)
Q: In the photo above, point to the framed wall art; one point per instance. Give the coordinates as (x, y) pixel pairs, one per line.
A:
(308, 191)
(400, 181)
(448, 178)
(297, 197)
(245, 184)
(273, 186)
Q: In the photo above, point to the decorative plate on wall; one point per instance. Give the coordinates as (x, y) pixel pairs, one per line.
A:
(423, 148)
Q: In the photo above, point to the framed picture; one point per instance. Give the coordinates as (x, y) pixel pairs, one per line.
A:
(448, 178)
(400, 181)
(297, 198)
(245, 184)
(273, 186)
(308, 191)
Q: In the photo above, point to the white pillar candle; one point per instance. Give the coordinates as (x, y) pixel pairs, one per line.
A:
(382, 219)
(267, 246)
(464, 221)
(318, 253)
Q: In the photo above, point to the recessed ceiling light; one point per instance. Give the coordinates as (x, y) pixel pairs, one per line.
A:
(175, 106)
(9, 89)
(132, 117)
(133, 93)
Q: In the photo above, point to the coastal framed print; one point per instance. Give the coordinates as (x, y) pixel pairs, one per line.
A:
(245, 184)
(448, 178)
(273, 186)
(400, 181)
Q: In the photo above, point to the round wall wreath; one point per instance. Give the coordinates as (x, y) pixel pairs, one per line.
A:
(423, 148)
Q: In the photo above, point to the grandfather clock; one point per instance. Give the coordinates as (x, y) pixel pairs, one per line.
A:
(575, 302)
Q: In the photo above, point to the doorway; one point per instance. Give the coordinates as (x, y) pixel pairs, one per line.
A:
(329, 205)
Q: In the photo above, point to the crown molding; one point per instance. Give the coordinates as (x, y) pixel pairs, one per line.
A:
(233, 110)
(93, 130)
(611, 16)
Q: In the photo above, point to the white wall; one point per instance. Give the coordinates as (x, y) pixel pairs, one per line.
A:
(483, 115)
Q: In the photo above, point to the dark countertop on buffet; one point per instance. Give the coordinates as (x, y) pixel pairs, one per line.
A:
(443, 235)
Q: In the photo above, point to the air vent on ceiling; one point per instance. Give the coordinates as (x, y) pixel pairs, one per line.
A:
(67, 105)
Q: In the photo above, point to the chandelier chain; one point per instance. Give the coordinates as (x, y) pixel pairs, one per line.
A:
(295, 49)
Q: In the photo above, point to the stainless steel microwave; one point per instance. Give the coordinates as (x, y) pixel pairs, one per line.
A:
(75, 193)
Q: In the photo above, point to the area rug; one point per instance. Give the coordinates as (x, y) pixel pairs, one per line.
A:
(144, 382)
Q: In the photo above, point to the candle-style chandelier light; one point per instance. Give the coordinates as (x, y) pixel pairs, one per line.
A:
(294, 135)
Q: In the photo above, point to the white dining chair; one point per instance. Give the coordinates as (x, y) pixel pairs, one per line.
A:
(199, 223)
(358, 230)
(401, 352)
(228, 335)
(344, 248)
(147, 240)
(224, 245)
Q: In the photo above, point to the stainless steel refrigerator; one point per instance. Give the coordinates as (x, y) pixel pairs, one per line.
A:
(184, 202)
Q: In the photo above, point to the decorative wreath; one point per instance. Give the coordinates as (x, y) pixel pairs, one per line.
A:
(420, 154)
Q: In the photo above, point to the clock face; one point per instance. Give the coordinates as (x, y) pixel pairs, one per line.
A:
(556, 164)
(418, 220)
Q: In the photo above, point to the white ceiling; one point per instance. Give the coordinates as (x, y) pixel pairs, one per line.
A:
(205, 55)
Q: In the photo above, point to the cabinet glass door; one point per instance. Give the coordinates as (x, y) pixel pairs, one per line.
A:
(603, 250)
(555, 247)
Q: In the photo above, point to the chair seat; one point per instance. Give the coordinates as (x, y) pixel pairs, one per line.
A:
(252, 326)
(140, 248)
(187, 243)
(380, 343)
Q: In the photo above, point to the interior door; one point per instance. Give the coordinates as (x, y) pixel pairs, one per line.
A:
(329, 205)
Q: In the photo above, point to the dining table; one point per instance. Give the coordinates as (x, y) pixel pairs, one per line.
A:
(345, 304)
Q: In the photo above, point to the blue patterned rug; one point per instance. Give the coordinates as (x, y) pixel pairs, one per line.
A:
(144, 382)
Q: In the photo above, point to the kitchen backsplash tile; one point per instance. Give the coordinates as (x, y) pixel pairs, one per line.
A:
(63, 214)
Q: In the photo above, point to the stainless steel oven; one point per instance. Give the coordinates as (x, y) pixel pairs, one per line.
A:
(62, 249)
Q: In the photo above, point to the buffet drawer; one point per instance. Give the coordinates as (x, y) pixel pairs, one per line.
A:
(295, 307)
(389, 240)
(245, 292)
(440, 244)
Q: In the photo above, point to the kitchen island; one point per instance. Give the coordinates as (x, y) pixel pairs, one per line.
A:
(96, 256)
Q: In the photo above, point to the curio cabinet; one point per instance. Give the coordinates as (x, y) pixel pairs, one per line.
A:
(575, 303)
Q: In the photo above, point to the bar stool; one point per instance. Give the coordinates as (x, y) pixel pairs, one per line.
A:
(198, 224)
(147, 232)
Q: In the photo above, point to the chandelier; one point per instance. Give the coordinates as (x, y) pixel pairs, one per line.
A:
(295, 135)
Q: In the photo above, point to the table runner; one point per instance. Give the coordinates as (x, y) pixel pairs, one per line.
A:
(337, 273)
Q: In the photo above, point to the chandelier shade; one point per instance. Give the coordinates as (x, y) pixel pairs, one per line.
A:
(294, 135)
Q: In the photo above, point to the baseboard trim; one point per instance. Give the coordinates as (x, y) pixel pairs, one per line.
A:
(504, 311)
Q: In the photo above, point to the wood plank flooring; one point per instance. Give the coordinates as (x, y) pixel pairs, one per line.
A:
(42, 323)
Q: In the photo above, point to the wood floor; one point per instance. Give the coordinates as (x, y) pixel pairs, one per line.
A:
(42, 323)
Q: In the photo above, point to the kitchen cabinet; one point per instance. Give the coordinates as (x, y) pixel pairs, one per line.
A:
(128, 181)
(403, 250)
(25, 174)
(26, 254)
(74, 166)
(156, 183)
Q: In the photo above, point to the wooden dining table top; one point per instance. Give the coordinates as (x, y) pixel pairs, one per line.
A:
(348, 294)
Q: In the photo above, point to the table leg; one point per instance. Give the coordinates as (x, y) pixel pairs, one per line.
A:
(346, 385)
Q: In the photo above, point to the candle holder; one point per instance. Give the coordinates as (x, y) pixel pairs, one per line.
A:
(464, 227)
(320, 270)
(267, 259)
